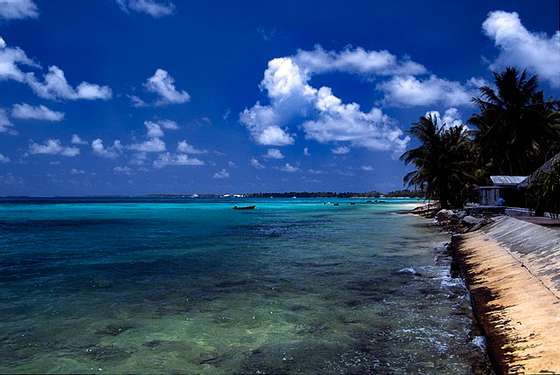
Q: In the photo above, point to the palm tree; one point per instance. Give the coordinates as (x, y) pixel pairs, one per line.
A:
(517, 128)
(443, 167)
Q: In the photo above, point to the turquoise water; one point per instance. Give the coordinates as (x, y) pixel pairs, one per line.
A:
(191, 286)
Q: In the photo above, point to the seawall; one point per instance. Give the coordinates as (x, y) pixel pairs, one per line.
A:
(512, 269)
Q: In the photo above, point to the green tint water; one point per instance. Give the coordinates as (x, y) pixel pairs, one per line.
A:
(295, 286)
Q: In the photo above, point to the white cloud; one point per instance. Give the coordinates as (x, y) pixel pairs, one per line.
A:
(273, 153)
(356, 60)
(326, 118)
(6, 125)
(25, 111)
(4, 159)
(221, 174)
(18, 9)
(10, 61)
(153, 130)
(256, 164)
(339, 122)
(76, 140)
(315, 171)
(123, 170)
(185, 148)
(149, 145)
(367, 168)
(408, 91)
(288, 168)
(162, 84)
(306, 152)
(521, 47)
(451, 118)
(262, 124)
(107, 152)
(167, 124)
(287, 88)
(55, 86)
(53, 147)
(168, 159)
(151, 7)
(76, 172)
(341, 150)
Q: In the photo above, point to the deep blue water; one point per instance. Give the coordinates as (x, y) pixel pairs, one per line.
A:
(192, 286)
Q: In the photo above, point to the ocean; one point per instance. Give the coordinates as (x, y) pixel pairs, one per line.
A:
(296, 286)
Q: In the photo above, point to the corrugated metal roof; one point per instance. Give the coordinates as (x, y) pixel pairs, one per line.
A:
(508, 180)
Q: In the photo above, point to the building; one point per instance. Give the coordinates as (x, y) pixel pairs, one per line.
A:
(504, 191)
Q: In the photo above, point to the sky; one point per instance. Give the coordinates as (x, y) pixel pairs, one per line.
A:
(129, 97)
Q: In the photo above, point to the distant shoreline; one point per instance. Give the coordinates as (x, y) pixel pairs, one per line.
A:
(300, 194)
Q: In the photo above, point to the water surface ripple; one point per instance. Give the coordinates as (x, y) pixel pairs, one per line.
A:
(295, 286)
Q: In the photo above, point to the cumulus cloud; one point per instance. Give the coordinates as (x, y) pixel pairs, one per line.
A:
(153, 129)
(123, 170)
(339, 122)
(367, 168)
(262, 122)
(53, 147)
(325, 117)
(25, 111)
(150, 7)
(221, 174)
(4, 159)
(107, 152)
(451, 118)
(163, 85)
(273, 153)
(76, 171)
(168, 159)
(356, 60)
(149, 145)
(76, 140)
(521, 47)
(18, 9)
(186, 148)
(341, 150)
(11, 62)
(6, 125)
(288, 168)
(256, 164)
(54, 84)
(409, 91)
(306, 152)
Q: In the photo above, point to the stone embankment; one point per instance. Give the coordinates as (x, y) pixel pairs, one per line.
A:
(512, 270)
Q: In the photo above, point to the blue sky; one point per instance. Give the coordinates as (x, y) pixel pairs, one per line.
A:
(146, 96)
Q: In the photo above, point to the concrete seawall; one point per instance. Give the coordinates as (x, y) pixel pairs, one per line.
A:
(512, 269)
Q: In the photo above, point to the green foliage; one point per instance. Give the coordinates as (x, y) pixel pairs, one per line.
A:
(444, 169)
(517, 130)
(544, 192)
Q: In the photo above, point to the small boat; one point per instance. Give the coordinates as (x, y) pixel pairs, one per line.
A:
(244, 207)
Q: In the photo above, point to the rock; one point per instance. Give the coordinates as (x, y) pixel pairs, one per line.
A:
(444, 215)
(471, 220)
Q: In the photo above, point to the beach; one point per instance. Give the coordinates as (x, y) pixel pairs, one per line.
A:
(294, 286)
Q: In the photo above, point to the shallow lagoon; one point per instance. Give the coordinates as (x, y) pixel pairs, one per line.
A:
(190, 286)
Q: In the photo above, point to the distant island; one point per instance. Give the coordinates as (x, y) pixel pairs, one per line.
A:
(304, 194)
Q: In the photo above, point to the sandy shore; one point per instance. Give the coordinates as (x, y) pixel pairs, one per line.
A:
(512, 269)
